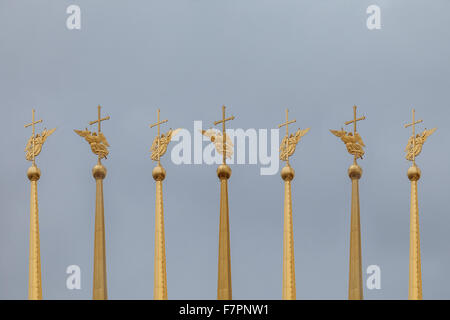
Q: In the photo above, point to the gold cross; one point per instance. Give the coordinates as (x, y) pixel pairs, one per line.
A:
(157, 124)
(354, 126)
(413, 124)
(99, 120)
(223, 131)
(32, 125)
(287, 123)
(354, 120)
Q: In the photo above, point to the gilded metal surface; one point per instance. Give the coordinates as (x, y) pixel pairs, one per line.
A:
(222, 142)
(159, 145)
(354, 144)
(100, 290)
(158, 148)
(287, 149)
(33, 148)
(224, 290)
(35, 142)
(99, 146)
(160, 142)
(413, 149)
(415, 265)
(159, 272)
(34, 271)
(97, 140)
(217, 138)
(289, 142)
(355, 283)
(416, 141)
(289, 291)
(353, 141)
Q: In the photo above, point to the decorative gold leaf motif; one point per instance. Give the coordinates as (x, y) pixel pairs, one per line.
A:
(353, 143)
(216, 137)
(289, 144)
(97, 141)
(159, 145)
(34, 149)
(414, 145)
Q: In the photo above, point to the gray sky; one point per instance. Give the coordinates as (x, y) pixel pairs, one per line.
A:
(257, 57)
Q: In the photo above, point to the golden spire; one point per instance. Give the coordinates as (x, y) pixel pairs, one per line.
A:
(287, 148)
(224, 291)
(413, 149)
(354, 145)
(158, 148)
(33, 148)
(99, 146)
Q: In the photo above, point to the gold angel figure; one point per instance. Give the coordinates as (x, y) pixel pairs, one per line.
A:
(39, 139)
(216, 137)
(353, 143)
(288, 144)
(413, 148)
(159, 145)
(98, 143)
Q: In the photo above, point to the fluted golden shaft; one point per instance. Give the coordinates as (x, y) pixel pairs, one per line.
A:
(160, 274)
(224, 291)
(289, 289)
(415, 272)
(355, 284)
(100, 291)
(34, 277)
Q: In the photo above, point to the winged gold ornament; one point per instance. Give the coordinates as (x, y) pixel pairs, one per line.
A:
(414, 146)
(289, 143)
(34, 144)
(216, 137)
(97, 141)
(159, 145)
(354, 143)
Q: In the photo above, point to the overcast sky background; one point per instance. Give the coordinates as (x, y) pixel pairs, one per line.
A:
(316, 58)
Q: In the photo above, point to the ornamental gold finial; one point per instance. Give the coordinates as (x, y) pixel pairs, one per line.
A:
(354, 145)
(159, 148)
(224, 146)
(287, 149)
(353, 141)
(99, 146)
(415, 142)
(222, 142)
(413, 149)
(289, 143)
(35, 142)
(33, 148)
(160, 142)
(97, 140)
